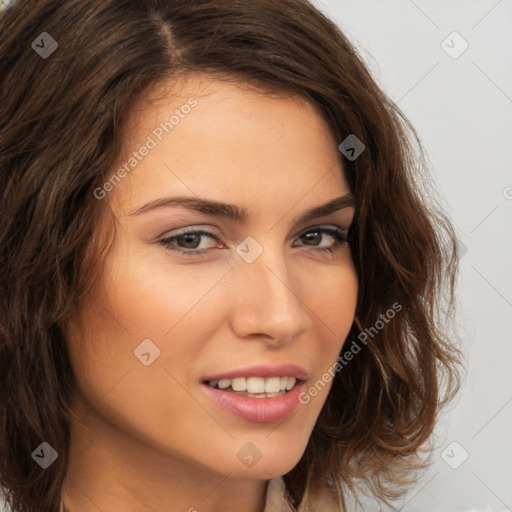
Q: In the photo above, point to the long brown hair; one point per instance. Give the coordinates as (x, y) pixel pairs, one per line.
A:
(60, 119)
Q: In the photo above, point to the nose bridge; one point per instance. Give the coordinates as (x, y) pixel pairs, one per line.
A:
(267, 300)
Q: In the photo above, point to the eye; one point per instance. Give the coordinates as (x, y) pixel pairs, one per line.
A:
(189, 243)
(315, 236)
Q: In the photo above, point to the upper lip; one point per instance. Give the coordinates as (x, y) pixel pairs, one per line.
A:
(262, 370)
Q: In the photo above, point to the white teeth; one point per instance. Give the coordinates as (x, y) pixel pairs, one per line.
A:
(256, 385)
(223, 383)
(273, 385)
(291, 383)
(239, 384)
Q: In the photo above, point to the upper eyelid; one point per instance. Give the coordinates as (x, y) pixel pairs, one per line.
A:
(195, 229)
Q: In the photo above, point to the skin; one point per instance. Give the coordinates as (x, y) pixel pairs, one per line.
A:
(145, 438)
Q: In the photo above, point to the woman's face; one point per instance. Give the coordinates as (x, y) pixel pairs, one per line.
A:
(200, 292)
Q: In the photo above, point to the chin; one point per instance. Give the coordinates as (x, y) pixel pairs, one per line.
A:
(265, 457)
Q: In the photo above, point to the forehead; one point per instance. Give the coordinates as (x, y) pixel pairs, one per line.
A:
(217, 137)
(233, 103)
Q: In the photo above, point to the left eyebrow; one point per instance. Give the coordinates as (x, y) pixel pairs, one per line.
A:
(339, 203)
(240, 214)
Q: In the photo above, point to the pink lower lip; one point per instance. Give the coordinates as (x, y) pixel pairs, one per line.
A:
(260, 410)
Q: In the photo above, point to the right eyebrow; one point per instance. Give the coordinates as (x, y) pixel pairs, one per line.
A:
(209, 207)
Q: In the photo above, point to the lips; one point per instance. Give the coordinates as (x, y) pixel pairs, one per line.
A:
(258, 410)
(260, 393)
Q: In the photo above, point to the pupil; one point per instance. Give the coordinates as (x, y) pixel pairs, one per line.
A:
(312, 236)
(189, 238)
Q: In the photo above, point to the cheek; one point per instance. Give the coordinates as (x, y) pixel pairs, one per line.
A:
(142, 309)
(334, 310)
(143, 298)
(151, 402)
(332, 299)
(153, 296)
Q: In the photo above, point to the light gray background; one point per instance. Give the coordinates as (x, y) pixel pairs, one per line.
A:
(462, 109)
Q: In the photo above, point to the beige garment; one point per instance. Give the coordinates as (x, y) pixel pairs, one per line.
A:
(320, 502)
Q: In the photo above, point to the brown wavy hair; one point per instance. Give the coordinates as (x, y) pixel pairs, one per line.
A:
(60, 120)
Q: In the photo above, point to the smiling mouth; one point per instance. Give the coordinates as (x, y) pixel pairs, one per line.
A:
(255, 387)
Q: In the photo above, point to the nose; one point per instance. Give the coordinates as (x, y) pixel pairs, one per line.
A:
(267, 302)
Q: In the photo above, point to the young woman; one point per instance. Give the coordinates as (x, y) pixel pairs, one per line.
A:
(221, 279)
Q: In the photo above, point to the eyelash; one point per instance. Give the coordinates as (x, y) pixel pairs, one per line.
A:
(341, 238)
